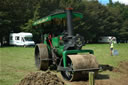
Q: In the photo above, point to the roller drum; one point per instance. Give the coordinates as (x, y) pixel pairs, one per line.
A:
(79, 63)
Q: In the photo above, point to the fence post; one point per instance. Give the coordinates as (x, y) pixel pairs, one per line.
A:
(91, 78)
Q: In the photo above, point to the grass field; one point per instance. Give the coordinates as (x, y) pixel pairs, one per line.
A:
(102, 52)
(16, 62)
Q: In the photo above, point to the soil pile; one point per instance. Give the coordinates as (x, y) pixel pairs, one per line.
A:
(123, 67)
(41, 78)
(47, 78)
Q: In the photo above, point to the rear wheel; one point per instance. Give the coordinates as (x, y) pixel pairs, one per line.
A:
(41, 57)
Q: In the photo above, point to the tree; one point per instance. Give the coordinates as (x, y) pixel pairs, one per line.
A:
(13, 14)
(98, 21)
(121, 12)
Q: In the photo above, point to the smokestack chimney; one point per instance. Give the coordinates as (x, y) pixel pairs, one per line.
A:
(69, 21)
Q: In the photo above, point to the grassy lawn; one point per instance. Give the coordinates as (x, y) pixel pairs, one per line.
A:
(102, 53)
(16, 62)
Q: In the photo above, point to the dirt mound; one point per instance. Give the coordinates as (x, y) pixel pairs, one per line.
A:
(122, 68)
(41, 78)
(47, 78)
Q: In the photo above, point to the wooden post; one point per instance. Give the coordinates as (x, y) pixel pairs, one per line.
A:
(91, 78)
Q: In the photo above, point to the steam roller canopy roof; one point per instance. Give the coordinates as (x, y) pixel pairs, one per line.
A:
(56, 16)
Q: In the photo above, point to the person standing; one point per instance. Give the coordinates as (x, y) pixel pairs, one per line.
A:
(111, 45)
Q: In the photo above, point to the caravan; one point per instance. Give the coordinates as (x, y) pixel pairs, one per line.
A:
(106, 39)
(21, 39)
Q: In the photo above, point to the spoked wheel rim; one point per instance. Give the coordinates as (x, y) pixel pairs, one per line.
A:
(68, 75)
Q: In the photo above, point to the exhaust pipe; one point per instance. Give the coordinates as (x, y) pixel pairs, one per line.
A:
(69, 21)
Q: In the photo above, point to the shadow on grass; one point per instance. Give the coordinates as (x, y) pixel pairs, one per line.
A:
(104, 68)
(102, 77)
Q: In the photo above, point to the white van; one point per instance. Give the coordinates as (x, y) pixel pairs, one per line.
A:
(106, 39)
(21, 39)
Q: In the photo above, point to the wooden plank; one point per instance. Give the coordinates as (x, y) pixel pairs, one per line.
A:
(91, 78)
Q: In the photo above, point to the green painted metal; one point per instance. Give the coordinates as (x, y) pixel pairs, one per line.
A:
(55, 42)
(45, 42)
(56, 16)
(65, 53)
(60, 50)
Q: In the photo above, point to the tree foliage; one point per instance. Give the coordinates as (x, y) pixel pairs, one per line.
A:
(99, 20)
(121, 12)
